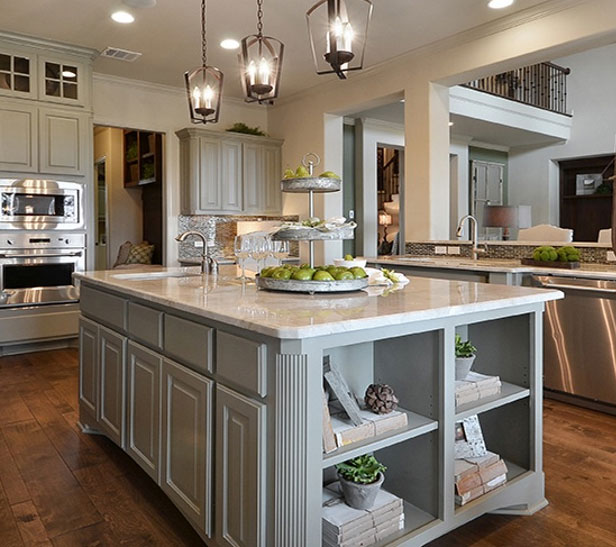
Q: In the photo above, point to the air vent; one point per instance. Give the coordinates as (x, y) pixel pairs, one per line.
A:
(120, 54)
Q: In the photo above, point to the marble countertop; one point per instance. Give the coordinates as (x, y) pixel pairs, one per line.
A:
(586, 270)
(286, 315)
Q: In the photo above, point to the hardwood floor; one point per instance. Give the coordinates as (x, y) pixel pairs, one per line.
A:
(64, 488)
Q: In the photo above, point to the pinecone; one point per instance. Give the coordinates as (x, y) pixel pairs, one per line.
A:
(380, 398)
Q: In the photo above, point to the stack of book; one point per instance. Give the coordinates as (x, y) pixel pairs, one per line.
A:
(477, 476)
(344, 432)
(476, 386)
(344, 526)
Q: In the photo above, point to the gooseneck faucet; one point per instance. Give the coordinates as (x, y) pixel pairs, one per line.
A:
(208, 263)
(475, 250)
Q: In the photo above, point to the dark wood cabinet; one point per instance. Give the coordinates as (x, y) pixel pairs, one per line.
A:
(142, 158)
(586, 210)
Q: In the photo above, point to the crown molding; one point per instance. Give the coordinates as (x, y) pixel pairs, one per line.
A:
(540, 11)
(155, 87)
(24, 40)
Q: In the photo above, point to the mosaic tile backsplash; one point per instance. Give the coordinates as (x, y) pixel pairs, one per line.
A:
(593, 255)
(221, 230)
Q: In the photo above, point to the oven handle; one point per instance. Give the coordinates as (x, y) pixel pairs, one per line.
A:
(564, 287)
(58, 255)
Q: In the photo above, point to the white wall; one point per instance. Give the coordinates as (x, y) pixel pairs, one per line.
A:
(124, 207)
(591, 87)
(120, 102)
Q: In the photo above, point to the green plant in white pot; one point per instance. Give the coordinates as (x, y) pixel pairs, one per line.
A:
(465, 357)
(360, 480)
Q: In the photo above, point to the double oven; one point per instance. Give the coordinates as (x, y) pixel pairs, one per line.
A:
(42, 242)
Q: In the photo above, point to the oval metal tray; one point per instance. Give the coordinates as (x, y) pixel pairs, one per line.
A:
(311, 287)
(307, 184)
(308, 234)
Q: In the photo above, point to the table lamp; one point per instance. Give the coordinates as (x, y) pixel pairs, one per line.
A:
(385, 220)
(506, 217)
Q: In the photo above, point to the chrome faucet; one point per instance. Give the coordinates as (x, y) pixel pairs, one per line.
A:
(208, 263)
(475, 250)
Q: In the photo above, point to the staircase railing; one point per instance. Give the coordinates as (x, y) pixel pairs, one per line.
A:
(543, 85)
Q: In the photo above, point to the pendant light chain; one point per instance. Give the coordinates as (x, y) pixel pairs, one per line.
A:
(260, 17)
(203, 34)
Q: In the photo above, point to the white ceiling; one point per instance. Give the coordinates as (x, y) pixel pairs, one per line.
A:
(168, 34)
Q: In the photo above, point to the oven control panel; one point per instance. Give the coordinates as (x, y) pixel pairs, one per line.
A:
(35, 240)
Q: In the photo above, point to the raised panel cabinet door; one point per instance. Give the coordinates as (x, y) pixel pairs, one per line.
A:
(18, 138)
(271, 179)
(63, 142)
(240, 469)
(253, 176)
(143, 408)
(112, 367)
(187, 458)
(231, 171)
(210, 177)
(88, 371)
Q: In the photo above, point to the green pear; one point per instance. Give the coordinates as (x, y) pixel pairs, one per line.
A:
(302, 172)
(289, 174)
(329, 175)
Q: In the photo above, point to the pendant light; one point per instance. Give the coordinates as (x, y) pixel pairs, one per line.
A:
(338, 31)
(261, 64)
(204, 84)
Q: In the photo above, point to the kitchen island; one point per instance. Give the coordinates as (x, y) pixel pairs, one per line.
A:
(215, 390)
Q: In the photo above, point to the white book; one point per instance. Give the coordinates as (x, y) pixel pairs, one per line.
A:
(366, 537)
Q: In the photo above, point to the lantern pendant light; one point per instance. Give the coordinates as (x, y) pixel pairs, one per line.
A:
(342, 46)
(261, 64)
(204, 84)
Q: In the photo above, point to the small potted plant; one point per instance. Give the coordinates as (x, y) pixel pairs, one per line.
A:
(360, 480)
(465, 357)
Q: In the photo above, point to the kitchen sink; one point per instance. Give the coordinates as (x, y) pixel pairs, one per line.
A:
(144, 276)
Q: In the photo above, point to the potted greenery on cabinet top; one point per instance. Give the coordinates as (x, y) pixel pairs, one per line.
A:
(465, 357)
(360, 480)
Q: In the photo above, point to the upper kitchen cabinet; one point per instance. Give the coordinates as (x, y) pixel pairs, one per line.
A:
(18, 141)
(63, 80)
(17, 71)
(229, 173)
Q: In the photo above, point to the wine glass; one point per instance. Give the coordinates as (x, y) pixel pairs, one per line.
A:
(241, 250)
(260, 251)
(280, 251)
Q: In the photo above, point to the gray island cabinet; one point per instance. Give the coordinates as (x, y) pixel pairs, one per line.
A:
(215, 389)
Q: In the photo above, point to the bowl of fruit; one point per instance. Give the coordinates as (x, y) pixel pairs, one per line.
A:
(300, 180)
(350, 262)
(320, 279)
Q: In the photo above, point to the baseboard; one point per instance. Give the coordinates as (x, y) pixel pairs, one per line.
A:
(45, 345)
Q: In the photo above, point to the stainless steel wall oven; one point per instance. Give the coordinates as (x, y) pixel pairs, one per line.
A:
(30, 204)
(37, 268)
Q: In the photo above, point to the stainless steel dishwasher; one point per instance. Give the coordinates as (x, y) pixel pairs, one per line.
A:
(580, 340)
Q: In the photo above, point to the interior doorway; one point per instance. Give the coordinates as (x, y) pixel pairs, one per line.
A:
(389, 188)
(128, 196)
(486, 189)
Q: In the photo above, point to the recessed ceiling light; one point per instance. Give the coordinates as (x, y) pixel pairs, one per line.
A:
(229, 43)
(450, 124)
(401, 100)
(500, 4)
(122, 17)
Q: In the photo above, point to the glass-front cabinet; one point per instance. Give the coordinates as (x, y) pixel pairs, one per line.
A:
(16, 76)
(61, 81)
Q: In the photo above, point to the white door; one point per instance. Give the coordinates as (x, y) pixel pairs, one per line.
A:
(487, 189)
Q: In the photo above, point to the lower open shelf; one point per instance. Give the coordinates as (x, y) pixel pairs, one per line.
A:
(414, 520)
(509, 393)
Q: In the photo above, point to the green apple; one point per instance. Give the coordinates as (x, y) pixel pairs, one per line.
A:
(343, 276)
(266, 272)
(281, 273)
(348, 257)
(322, 276)
(302, 172)
(303, 274)
(359, 273)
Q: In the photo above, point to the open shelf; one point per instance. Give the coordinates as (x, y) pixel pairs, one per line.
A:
(513, 472)
(417, 425)
(509, 393)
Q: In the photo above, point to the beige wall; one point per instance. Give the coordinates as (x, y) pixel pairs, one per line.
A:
(129, 103)
(551, 30)
(124, 208)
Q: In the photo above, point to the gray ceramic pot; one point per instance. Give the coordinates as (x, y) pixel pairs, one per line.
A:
(463, 366)
(360, 496)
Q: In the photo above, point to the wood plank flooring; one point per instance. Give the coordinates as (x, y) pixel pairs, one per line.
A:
(64, 488)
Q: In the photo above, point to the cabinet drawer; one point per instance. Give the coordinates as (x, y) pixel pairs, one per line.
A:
(189, 343)
(242, 361)
(107, 308)
(145, 325)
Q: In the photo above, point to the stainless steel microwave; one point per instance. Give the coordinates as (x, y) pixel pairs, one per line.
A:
(31, 204)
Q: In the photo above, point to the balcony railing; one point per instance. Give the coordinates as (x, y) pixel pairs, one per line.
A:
(543, 86)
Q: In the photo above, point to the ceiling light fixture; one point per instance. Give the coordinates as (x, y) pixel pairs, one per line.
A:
(123, 17)
(343, 46)
(500, 4)
(229, 43)
(451, 124)
(261, 64)
(204, 84)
